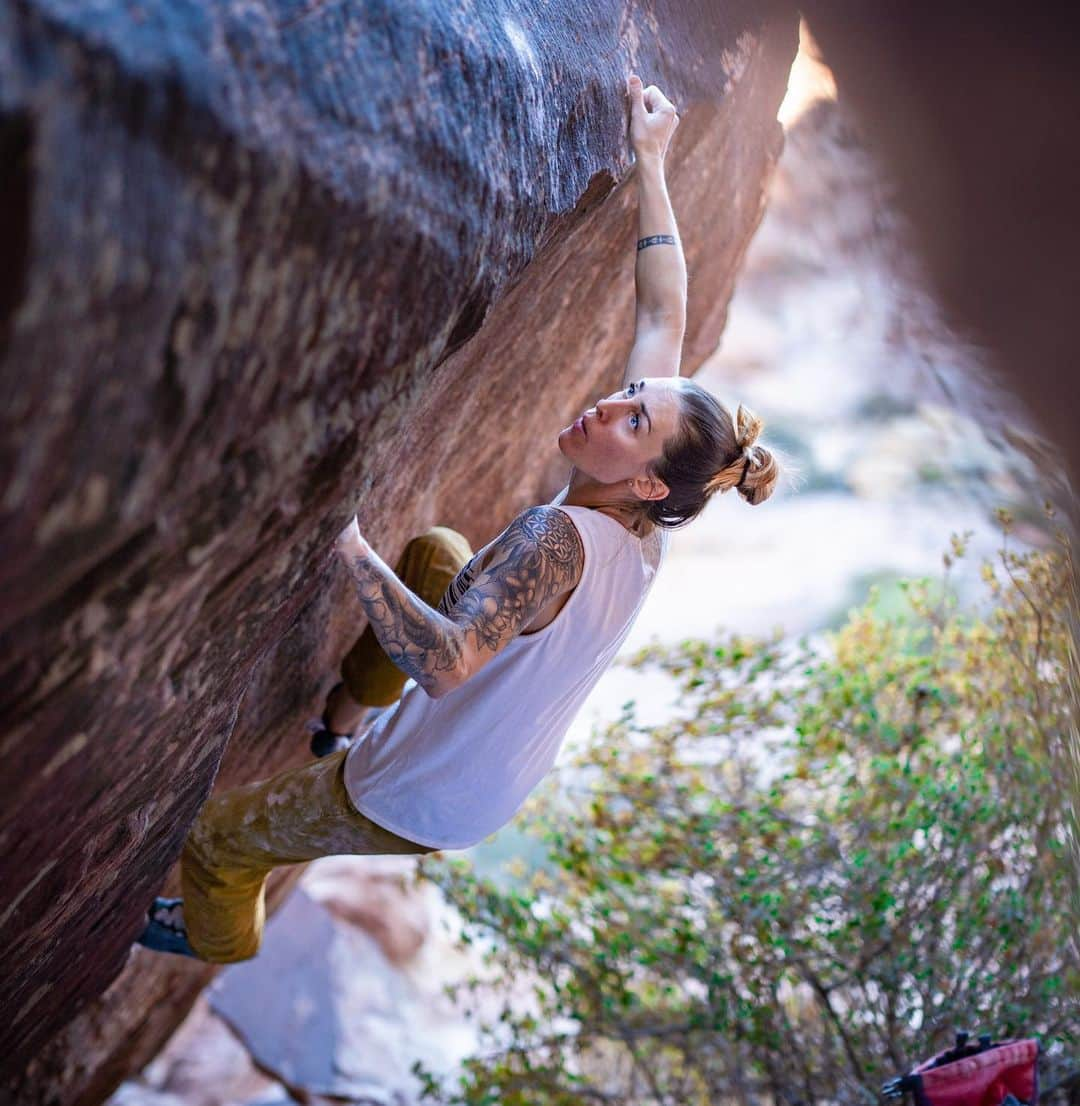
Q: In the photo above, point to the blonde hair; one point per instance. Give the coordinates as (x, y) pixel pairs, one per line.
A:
(753, 470)
(711, 452)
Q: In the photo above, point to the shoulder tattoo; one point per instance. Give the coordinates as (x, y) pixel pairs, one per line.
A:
(538, 557)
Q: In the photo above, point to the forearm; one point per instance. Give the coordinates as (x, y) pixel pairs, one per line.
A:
(660, 269)
(423, 643)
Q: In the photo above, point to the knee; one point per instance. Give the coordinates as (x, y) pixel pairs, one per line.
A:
(440, 541)
(431, 560)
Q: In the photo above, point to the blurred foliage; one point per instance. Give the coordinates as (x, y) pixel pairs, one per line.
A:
(838, 854)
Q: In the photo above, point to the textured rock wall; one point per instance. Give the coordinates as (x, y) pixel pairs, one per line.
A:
(264, 263)
(978, 122)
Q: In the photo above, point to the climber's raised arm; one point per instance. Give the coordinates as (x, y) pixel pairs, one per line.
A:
(534, 561)
(660, 268)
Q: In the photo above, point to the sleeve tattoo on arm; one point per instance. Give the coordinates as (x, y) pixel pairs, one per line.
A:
(419, 640)
(538, 557)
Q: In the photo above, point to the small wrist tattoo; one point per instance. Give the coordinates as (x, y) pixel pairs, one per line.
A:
(656, 240)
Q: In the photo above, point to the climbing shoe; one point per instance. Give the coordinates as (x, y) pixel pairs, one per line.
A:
(163, 932)
(324, 742)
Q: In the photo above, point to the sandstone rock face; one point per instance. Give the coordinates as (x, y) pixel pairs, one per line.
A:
(978, 123)
(323, 1011)
(264, 264)
(379, 895)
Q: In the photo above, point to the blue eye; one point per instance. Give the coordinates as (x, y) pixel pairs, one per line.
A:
(631, 389)
(635, 421)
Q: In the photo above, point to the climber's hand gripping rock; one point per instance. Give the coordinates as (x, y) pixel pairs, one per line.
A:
(653, 119)
(350, 542)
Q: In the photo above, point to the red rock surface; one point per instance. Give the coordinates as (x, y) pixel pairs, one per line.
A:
(204, 1064)
(265, 264)
(323, 1011)
(379, 895)
(977, 121)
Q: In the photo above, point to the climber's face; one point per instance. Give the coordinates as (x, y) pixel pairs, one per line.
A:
(618, 438)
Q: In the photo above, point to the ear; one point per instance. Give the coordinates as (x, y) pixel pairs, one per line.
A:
(649, 487)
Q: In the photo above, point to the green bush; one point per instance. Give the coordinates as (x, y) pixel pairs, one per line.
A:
(839, 853)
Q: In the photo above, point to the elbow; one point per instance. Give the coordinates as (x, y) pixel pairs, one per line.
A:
(673, 315)
(448, 680)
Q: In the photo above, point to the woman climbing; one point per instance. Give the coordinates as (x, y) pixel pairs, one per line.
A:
(502, 646)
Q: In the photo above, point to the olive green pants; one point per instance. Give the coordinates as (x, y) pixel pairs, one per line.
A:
(302, 813)
(242, 835)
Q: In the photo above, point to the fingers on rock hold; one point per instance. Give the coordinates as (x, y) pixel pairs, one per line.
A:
(656, 101)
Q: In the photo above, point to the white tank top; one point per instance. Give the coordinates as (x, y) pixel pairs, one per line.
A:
(448, 772)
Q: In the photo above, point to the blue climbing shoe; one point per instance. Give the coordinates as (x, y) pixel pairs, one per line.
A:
(163, 933)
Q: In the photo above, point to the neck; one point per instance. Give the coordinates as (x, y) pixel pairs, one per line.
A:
(614, 500)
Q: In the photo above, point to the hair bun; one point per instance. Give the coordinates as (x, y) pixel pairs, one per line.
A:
(747, 428)
(760, 475)
(752, 470)
(712, 453)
